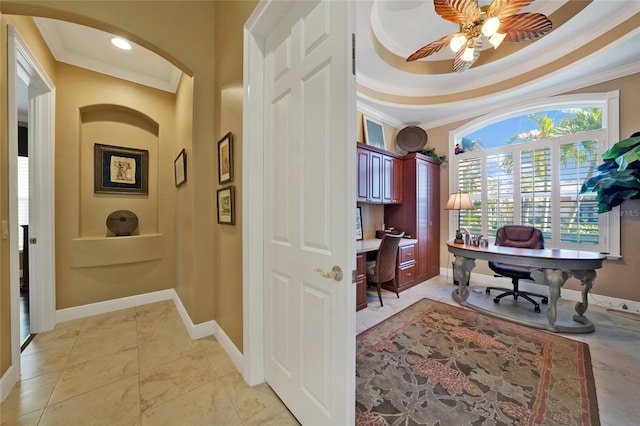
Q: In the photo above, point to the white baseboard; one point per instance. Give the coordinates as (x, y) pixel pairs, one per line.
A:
(567, 294)
(113, 305)
(7, 382)
(196, 331)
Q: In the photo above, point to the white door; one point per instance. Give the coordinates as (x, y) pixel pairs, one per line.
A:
(308, 187)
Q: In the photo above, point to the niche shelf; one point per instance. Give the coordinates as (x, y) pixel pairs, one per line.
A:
(103, 251)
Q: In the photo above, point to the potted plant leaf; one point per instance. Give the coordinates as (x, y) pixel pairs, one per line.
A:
(619, 177)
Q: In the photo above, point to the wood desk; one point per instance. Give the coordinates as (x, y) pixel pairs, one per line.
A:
(405, 267)
(556, 266)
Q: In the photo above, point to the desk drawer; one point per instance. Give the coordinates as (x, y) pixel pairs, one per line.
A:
(406, 254)
(406, 274)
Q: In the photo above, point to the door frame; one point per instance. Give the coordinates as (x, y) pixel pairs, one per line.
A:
(24, 65)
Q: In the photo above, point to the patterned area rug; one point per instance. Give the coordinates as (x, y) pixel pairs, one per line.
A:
(437, 364)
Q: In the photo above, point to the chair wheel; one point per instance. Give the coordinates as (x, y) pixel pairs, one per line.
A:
(536, 309)
(496, 300)
(545, 301)
(487, 291)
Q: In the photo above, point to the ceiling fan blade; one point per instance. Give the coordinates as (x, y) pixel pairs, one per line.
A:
(504, 8)
(525, 26)
(458, 11)
(461, 66)
(430, 48)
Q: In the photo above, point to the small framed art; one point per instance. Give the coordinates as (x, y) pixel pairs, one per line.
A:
(120, 170)
(226, 205)
(180, 168)
(358, 224)
(225, 159)
(373, 132)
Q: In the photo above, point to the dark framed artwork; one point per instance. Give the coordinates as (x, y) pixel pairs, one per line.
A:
(225, 159)
(180, 168)
(226, 205)
(120, 170)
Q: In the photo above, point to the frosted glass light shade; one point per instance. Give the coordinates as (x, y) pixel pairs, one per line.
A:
(490, 26)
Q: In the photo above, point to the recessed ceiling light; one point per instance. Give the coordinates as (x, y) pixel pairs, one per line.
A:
(121, 43)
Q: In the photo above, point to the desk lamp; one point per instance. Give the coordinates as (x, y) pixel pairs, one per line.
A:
(459, 201)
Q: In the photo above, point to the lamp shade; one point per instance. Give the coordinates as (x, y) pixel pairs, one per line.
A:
(459, 201)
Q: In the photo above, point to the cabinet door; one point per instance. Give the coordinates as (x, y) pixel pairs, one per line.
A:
(375, 177)
(363, 176)
(396, 181)
(361, 282)
(433, 222)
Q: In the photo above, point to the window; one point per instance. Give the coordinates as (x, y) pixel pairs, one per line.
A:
(527, 166)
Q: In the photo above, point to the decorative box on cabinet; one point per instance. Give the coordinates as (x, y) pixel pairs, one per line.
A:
(379, 176)
(361, 281)
(419, 214)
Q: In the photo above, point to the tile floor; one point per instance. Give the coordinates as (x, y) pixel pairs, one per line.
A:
(139, 366)
(614, 345)
(136, 366)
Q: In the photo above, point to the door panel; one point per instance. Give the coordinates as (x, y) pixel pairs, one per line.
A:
(309, 181)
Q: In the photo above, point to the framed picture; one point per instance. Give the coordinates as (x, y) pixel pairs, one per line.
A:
(358, 224)
(120, 170)
(225, 159)
(373, 132)
(226, 201)
(180, 168)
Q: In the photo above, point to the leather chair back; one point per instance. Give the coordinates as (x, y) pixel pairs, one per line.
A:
(520, 236)
(385, 269)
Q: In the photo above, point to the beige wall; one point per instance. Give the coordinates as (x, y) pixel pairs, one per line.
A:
(95, 108)
(617, 278)
(205, 109)
(230, 18)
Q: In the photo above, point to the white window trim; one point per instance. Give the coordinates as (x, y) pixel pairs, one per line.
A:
(609, 101)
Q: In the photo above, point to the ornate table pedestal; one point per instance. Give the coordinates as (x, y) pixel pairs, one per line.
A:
(556, 266)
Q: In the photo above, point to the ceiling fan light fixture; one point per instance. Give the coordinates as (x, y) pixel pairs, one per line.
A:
(457, 42)
(468, 54)
(490, 26)
(496, 39)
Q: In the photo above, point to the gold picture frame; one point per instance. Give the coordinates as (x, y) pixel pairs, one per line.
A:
(225, 200)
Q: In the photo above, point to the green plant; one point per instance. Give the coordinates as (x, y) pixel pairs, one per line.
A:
(431, 152)
(619, 177)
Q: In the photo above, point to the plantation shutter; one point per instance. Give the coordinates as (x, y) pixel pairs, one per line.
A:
(578, 212)
(535, 189)
(470, 181)
(499, 191)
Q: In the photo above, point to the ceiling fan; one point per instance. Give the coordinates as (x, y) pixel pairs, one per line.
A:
(494, 23)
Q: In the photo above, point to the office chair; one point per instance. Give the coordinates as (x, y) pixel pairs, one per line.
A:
(522, 237)
(383, 269)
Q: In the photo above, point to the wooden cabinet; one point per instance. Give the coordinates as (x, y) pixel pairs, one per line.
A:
(361, 281)
(406, 268)
(391, 180)
(379, 176)
(419, 214)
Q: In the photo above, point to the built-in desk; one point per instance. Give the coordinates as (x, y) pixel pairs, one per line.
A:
(405, 271)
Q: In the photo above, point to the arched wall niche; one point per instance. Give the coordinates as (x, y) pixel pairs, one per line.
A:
(122, 127)
(121, 114)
